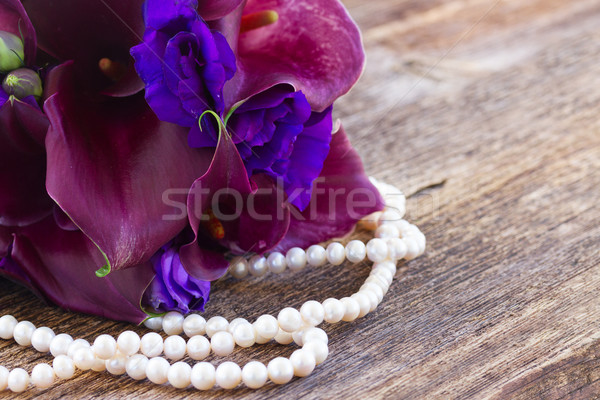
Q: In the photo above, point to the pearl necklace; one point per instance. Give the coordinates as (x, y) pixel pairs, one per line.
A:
(140, 358)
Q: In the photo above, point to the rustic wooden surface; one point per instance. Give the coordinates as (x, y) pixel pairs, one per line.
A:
(488, 113)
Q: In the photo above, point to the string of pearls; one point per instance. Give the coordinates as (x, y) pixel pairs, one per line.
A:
(146, 357)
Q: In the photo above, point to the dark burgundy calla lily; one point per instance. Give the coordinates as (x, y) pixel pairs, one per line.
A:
(23, 198)
(314, 46)
(342, 195)
(109, 165)
(259, 217)
(39, 250)
(87, 32)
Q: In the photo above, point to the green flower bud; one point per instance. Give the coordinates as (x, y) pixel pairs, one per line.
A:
(11, 52)
(23, 82)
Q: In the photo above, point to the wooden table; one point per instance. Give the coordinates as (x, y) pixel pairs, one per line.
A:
(487, 113)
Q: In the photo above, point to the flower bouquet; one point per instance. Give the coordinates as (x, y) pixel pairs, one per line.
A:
(152, 147)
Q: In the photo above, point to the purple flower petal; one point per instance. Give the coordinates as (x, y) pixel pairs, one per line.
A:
(111, 168)
(173, 289)
(183, 63)
(308, 156)
(23, 197)
(341, 196)
(62, 264)
(314, 46)
(14, 19)
(88, 31)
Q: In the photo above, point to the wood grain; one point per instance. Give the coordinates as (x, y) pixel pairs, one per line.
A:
(487, 113)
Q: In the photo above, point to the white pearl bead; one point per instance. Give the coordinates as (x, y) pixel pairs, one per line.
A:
(244, 335)
(387, 265)
(42, 376)
(390, 216)
(84, 358)
(387, 231)
(378, 280)
(216, 324)
(3, 377)
(283, 337)
(377, 250)
(175, 347)
(297, 335)
(228, 375)
(369, 286)
(352, 309)
(60, 344)
(198, 348)
(372, 298)
(64, 367)
(193, 325)
(76, 345)
(363, 303)
(316, 255)
(296, 259)
(289, 319)
(412, 248)
(203, 376)
(157, 370)
(312, 312)
(318, 349)
(18, 380)
(280, 370)
(277, 263)
(99, 365)
(41, 338)
(315, 335)
(136, 366)
(404, 227)
(266, 326)
(397, 248)
(117, 365)
(257, 266)
(222, 343)
(105, 347)
(7, 326)
(356, 251)
(333, 310)
(303, 362)
(238, 268)
(128, 343)
(154, 324)
(23, 332)
(235, 322)
(261, 340)
(254, 374)
(336, 253)
(383, 278)
(173, 323)
(152, 345)
(180, 375)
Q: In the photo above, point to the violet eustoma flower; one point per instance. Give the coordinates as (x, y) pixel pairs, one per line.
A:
(182, 62)
(173, 288)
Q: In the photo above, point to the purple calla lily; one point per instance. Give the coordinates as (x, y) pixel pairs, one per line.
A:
(314, 46)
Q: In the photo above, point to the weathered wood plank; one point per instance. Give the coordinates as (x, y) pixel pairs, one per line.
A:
(495, 104)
